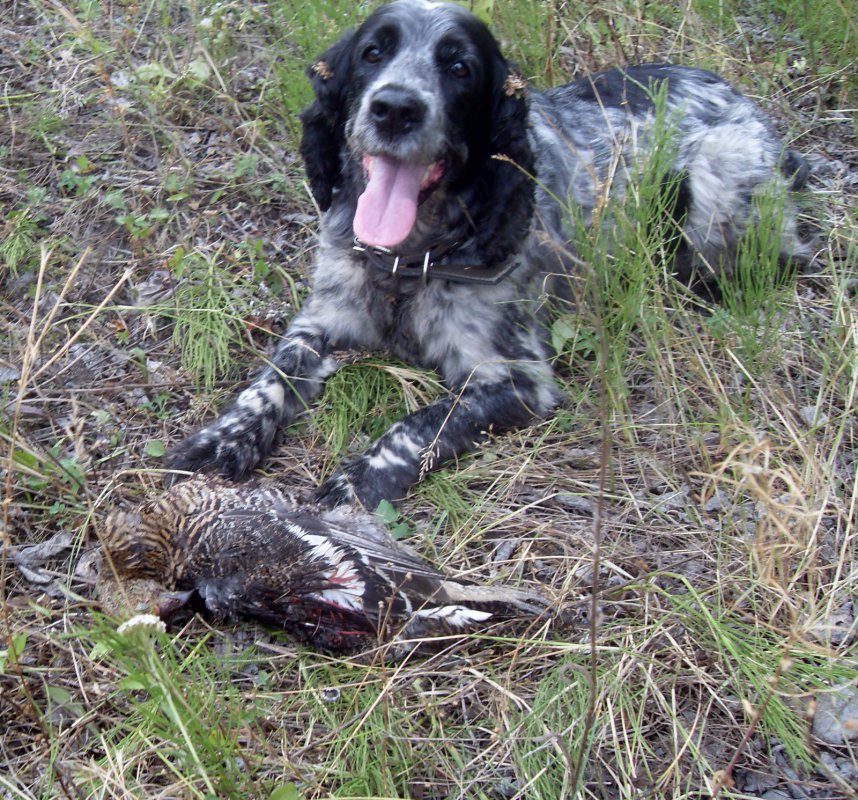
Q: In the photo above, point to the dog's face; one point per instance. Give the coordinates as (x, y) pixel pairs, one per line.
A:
(415, 86)
(415, 89)
(415, 99)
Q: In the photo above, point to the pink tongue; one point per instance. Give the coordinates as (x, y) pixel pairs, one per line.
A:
(387, 209)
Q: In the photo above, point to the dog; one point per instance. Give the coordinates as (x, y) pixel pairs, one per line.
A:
(447, 190)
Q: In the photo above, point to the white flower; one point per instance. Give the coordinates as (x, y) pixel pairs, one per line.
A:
(147, 622)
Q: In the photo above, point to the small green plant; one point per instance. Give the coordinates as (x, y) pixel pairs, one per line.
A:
(451, 491)
(13, 651)
(159, 406)
(181, 710)
(548, 740)
(627, 246)
(753, 293)
(397, 526)
(206, 323)
(88, 10)
(307, 29)
(140, 225)
(529, 32)
(272, 276)
(367, 397)
(42, 122)
(43, 472)
(78, 178)
(19, 239)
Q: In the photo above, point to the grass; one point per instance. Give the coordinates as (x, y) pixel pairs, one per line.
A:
(192, 700)
(697, 490)
(365, 398)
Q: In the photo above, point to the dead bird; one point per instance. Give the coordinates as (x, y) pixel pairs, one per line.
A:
(333, 578)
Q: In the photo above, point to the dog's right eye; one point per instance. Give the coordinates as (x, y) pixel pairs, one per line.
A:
(460, 69)
(372, 54)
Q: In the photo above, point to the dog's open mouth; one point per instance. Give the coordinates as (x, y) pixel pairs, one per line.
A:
(387, 209)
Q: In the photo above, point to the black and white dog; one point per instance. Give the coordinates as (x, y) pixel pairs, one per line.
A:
(446, 189)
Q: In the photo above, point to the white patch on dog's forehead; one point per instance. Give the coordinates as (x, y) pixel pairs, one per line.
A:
(436, 20)
(411, 68)
(429, 5)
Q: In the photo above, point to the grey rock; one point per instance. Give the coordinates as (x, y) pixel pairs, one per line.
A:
(839, 627)
(836, 718)
(812, 416)
(757, 782)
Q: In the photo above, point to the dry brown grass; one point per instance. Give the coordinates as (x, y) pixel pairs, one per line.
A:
(718, 477)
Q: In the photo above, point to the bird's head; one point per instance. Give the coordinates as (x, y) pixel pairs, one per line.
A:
(133, 546)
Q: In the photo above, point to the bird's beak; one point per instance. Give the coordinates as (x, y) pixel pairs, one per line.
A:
(170, 603)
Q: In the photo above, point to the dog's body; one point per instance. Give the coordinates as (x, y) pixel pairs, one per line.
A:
(457, 247)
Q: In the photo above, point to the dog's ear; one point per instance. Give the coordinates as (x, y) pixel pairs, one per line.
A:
(510, 113)
(324, 120)
(511, 174)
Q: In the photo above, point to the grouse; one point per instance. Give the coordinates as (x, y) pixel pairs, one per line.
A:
(333, 578)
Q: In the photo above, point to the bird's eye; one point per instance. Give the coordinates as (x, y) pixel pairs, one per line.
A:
(459, 69)
(372, 54)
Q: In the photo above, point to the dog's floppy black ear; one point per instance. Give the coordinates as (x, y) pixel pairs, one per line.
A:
(510, 115)
(324, 120)
(512, 167)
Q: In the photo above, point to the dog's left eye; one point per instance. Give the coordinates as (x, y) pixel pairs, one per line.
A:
(460, 69)
(372, 54)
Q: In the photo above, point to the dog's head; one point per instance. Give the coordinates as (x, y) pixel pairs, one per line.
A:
(417, 100)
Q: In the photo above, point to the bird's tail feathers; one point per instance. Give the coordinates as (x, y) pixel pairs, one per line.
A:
(500, 601)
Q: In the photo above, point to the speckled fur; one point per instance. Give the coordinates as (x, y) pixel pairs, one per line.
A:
(580, 141)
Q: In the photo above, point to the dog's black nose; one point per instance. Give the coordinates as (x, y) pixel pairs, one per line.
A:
(396, 111)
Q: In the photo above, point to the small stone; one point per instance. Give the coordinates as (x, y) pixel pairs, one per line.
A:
(757, 782)
(836, 719)
(843, 766)
(838, 627)
(812, 416)
(718, 502)
(573, 502)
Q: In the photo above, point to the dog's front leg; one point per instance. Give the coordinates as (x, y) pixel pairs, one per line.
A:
(424, 440)
(244, 434)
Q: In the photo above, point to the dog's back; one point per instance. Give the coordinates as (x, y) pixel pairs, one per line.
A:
(719, 155)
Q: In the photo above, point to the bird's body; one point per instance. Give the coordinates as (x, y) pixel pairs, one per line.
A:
(334, 578)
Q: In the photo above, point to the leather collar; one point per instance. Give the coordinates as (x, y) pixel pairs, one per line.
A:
(434, 264)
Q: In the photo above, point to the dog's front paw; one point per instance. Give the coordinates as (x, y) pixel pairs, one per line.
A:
(336, 491)
(231, 446)
(362, 482)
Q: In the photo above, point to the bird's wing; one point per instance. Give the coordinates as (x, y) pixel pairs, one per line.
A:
(392, 572)
(379, 549)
